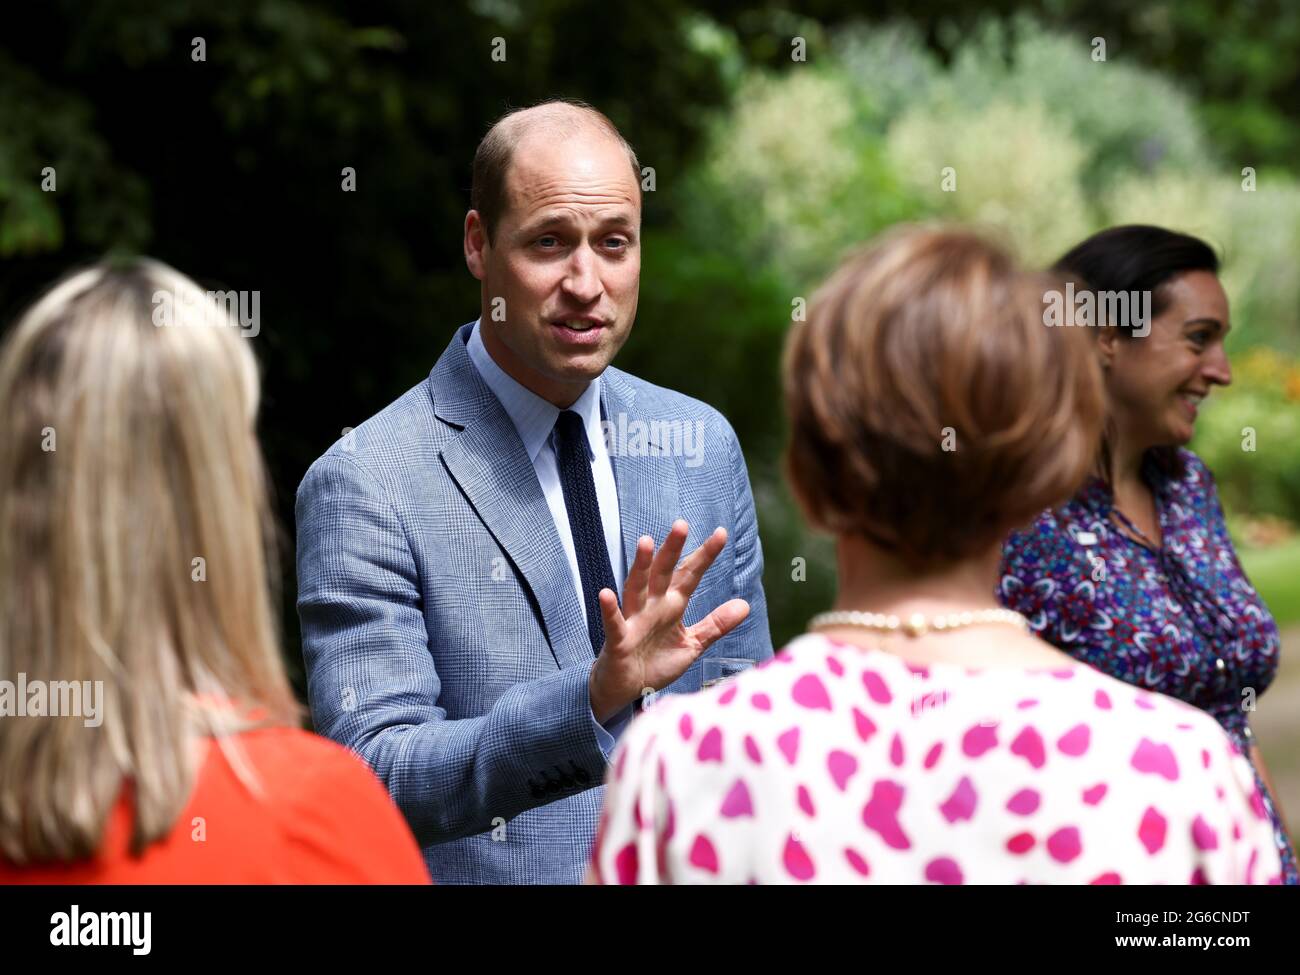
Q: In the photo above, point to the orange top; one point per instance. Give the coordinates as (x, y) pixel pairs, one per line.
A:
(322, 818)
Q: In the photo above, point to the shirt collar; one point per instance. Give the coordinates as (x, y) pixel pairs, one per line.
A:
(533, 416)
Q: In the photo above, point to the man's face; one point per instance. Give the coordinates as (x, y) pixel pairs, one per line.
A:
(566, 259)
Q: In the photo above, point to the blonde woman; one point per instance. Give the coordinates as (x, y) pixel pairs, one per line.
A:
(147, 730)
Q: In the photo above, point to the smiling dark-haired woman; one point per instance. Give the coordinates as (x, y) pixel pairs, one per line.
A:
(1136, 575)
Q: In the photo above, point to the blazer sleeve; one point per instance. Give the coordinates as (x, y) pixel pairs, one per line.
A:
(373, 686)
(753, 638)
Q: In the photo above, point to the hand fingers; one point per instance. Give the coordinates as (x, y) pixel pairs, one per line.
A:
(720, 622)
(634, 589)
(693, 567)
(665, 561)
(615, 624)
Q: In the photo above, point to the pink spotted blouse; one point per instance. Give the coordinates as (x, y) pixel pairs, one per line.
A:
(835, 764)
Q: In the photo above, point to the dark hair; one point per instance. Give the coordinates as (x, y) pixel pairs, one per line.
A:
(1136, 257)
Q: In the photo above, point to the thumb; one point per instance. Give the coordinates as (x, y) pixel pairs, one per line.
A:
(720, 622)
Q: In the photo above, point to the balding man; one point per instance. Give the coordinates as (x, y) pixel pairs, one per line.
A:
(460, 553)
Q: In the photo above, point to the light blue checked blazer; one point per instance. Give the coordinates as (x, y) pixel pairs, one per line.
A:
(443, 638)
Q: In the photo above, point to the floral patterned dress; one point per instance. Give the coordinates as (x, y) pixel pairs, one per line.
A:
(1181, 619)
(833, 763)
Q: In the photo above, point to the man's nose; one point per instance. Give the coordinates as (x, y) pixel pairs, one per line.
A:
(582, 281)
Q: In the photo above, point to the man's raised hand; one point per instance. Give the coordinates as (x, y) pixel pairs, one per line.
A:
(646, 643)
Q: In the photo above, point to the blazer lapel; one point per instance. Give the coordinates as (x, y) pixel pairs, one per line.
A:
(489, 463)
(646, 479)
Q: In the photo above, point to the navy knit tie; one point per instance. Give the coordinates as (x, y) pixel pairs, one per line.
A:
(584, 520)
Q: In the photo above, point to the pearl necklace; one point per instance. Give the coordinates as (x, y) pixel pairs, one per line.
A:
(917, 623)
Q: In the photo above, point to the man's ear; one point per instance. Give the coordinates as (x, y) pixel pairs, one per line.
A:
(1107, 345)
(476, 245)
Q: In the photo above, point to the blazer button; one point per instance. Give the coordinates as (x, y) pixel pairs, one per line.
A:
(535, 790)
(581, 774)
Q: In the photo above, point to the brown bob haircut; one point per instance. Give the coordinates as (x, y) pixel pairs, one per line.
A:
(931, 410)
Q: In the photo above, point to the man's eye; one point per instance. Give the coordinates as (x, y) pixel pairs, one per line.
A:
(548, 241)
(617, 243)
(1200, 339)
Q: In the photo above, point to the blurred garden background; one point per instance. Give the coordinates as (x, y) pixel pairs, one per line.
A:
(768, 165)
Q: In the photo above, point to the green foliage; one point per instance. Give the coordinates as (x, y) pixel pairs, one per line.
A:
(1275, 573)
(1236, 59)
(768, 170)
(1248, 433)
(712, 325)
(1046, 146)
(49, 129)
(1125, 118)
(795, 173)
(1014, 169)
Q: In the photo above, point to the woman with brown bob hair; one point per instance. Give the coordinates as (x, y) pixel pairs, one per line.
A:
(918, 733)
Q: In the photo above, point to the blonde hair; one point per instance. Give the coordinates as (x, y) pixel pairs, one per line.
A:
(128, 453)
